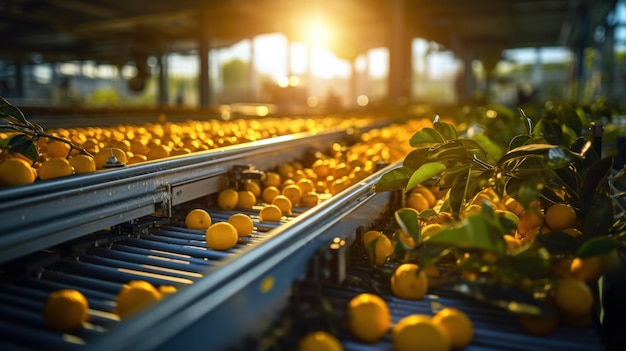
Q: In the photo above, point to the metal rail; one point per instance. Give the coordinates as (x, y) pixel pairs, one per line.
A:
(243, 294)
(44, 214)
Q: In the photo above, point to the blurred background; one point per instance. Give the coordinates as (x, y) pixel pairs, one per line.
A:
(299, 56)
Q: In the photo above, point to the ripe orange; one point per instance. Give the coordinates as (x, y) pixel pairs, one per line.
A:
(284, 204)
(57, 148)
(378, 246)
(270, 213)
(221, 236)
(309, 199)
(369, 318)
(242, 223)
(408, 282)
(158, 151)
(269, 193)
(136, 296)
(83, 164)
(538, 325)
(65, 310)
(228, 199)
(417, 331)
(293, 193)
(560, 216)
(457, 325)
(573, 297)
(54, 168)
(587, 269)
(417, 201)
(246, 200)
(16, 171)
(198, 219)
(320, 341)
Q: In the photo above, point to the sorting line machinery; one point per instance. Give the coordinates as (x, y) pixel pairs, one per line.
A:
(96, 232)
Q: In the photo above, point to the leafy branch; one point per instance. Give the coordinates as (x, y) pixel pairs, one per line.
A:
(25, 142)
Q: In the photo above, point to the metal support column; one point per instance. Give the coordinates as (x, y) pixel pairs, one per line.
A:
(399, 57)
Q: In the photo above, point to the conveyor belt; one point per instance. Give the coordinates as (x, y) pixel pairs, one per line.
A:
(209, 281)
(318, 304)
(47, 213)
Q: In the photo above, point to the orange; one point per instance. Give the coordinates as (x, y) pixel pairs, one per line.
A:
(369, 318)
(430, 229)
(538, 325)
(136, 296)
(283, 203)
(587, 269)
(319, 341)
(83, 164)
(180, 151)
(16, 171)
(338, 185)
(269, 193)
(272, 179)
(221, 236)
(57, 148)
(228, 199)
(293, 193)
(306, 185)
(246, 200)
(270, 213)
(309, 199)
(157, 152)
(254, 187)
(55, 168)
(167, 290)
(418, 332)
(378, 246)
(242, 223)
(417, 201)
(560, 216)
(427, 193)
(137, 158)
(457, 325)
(512, 243)
(408, 282)
(65, 310)
(198, 219)
(573, 297)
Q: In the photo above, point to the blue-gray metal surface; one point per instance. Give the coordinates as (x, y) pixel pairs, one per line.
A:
(47, 213)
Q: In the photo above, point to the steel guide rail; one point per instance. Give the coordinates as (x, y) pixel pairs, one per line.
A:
(44, 214)
(243, 295)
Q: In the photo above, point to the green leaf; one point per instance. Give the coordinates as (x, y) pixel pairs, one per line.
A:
(447, 130)
(473, 233)
(555, 156)
(21, 144)
(424, 173)
(568, 116)
(426, 137)
(407, 219)
(549, 130)
(600, 217)
(598, 246)
(529, 190)
(527, 122)
(394, 179)
(595, 180)
(487, 146)
(518, 141)
(416, 158)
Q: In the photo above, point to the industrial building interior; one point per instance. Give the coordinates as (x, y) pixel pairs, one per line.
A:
(200, 97)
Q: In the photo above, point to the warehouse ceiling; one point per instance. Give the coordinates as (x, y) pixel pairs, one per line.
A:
(118, 31)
